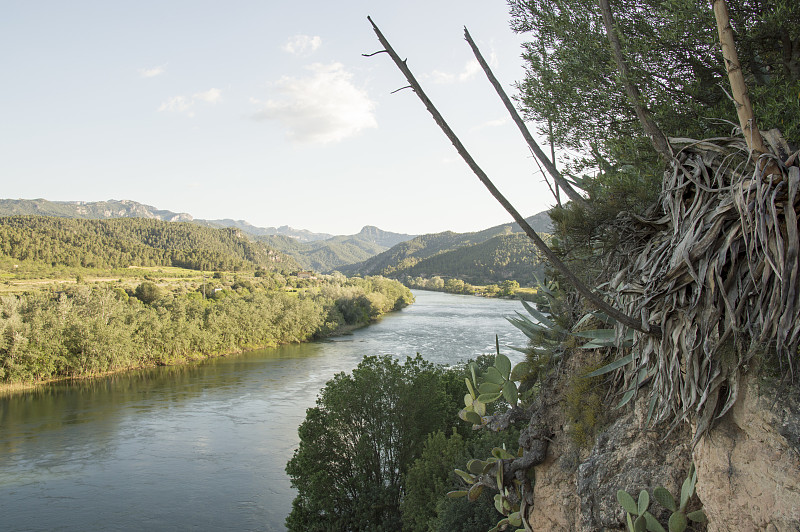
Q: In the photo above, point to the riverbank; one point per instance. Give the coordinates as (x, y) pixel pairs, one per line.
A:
(489, 291)
(13, 388)
(88, 331)
(205, 446)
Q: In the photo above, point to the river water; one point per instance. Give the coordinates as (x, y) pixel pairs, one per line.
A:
(204, 446)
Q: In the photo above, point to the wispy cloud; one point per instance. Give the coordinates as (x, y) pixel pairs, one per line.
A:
(491, 123)
(470, 69)
(209, 96)
(152, 72)
(467, 73)
(323, 107)
(185, 104)
(302, 44)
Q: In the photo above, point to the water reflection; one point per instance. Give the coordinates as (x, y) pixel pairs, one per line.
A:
(203, 445)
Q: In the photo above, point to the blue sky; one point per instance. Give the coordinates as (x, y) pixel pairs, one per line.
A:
(263, 111)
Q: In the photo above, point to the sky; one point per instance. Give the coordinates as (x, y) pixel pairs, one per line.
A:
(264, 111)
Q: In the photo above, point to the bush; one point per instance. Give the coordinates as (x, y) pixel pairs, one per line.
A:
(147, 292)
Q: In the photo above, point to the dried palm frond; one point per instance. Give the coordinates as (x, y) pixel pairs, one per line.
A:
(715, 266)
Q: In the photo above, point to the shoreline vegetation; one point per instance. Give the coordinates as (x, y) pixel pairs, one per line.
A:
(55, 328)
(508, 289)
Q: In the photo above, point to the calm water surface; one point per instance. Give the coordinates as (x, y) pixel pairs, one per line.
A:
(204, 447)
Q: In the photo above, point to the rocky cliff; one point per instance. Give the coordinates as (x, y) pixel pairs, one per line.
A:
(748, 466)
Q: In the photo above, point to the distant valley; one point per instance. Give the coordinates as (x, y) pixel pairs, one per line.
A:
(482, 257)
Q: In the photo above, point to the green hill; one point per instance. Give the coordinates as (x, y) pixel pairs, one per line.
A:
(489, 256)
(512, 257)
(123, 242)
(320, 252)
(324, 255)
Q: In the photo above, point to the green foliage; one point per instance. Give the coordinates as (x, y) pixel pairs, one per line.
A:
(508, 288)
(147, 292)
(85, 330)
(489, 473)
(123, 242)
(674, 57)
(679, 518)
(464, 515)
(433, 475)
(361, 439)
(583, 407)
(498, 381)
(637, 517)
(428, 479)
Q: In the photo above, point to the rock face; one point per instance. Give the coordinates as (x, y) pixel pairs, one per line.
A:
(576, 491)
(749, 466)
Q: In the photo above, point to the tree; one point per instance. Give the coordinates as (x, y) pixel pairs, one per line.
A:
(508, 288)
(359, 441)
(675, 63)
(147, 292)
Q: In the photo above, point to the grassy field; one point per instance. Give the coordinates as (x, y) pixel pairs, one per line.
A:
(17, 277)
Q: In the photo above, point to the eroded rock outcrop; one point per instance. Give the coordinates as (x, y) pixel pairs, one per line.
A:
(576, 490)
(749, 466)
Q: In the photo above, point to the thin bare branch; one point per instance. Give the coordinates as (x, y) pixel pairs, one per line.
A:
(537, 151)
(553, 191)
(401, 88)
(596, 300)
(657, 137)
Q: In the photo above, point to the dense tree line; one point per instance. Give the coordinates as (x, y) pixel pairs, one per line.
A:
(123, 242)
(573, 91)
(87, 330)
(507, 288)
(379, 449)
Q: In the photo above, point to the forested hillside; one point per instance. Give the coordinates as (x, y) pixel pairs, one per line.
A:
(99, 210)
(507, 257)
(489, 256)
(320, 252)
(123, 242)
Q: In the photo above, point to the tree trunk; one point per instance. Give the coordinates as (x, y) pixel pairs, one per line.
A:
(656, 136)
(547, 163)
(741, 99)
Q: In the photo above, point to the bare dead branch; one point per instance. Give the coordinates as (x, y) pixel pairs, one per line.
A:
(596, 300)
(537, 151)
(657, 137)
(553, 191)
(401, 88)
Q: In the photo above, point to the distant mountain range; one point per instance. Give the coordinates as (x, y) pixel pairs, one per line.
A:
(492, 255)
(102, 210)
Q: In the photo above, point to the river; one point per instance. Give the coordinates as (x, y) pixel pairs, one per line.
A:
(204, 446)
